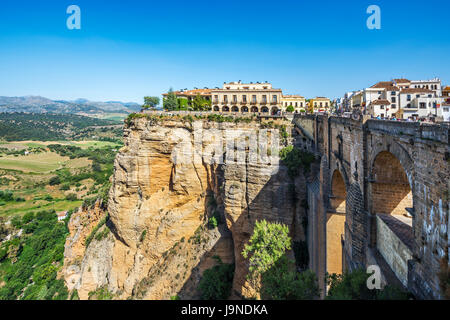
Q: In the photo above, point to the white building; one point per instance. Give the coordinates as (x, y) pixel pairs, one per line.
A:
(401, 98)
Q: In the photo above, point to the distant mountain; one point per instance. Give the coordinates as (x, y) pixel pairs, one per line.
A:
(37, 104)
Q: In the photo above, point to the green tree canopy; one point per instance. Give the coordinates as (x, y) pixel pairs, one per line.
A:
(170, 102)
(268, 243)
(282, 282)
(200, 103)
(290, 108)
(150, 102)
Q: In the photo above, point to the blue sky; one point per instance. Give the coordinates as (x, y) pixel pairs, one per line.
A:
(128, 49)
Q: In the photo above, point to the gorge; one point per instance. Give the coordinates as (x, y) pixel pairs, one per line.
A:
(152, 239)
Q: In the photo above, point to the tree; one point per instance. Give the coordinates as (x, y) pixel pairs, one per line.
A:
(216, 282)
(200, 103)
(170, 102)
(353, 286)
(150, 102)
(268, 243)
(282, 282)
(290, 108)
(270, 264)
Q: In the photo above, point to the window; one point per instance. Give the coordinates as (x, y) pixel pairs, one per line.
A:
(417, 95)
(382, 107)
(423, 105)
(408, 97)
(225, 98)
(234, 98)
(254, 98)
(216, 99)
(408, 105)
(392, 93)
(274, 98)
(296, 105)
(393, 99)
(394, 106)
(264, 98)
(244, 98)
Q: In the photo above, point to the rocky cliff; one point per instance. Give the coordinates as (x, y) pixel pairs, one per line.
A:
(170, 177)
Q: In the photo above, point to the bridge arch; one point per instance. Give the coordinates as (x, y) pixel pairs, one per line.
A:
(391, 188)
(335, 223)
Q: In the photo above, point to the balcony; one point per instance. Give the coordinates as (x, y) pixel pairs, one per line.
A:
(253, 102)
(273, 102)
(244, 102)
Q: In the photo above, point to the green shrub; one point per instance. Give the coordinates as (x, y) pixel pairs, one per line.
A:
(216, 282)
(54, 181)
(268, 243)
(71, 197)
(295, 159)
(94, 231)
(212, 222)
(282, 282)
(353, 286)
(143, 234)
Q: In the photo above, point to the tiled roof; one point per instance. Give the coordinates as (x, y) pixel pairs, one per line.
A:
(402, 80)
(381, 102)
(193, 92)
(320, 98)
(388, 85)
(416, 90)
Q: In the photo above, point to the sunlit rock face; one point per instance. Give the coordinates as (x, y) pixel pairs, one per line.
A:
(169, 178)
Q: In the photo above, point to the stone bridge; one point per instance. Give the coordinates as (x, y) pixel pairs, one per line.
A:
(381, 197)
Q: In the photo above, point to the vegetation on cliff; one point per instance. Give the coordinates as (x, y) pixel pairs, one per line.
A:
(267, 254)
(29, 264)
(295, 159)
(353, 286)
(217, 281)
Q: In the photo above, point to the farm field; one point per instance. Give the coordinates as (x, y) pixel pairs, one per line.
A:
(42, 177)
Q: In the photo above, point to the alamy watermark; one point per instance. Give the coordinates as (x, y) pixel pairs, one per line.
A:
(74, 20)
(215, 146)
(374, 20)
(374, 280)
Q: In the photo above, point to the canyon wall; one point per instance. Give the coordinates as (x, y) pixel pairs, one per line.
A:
(170, 177)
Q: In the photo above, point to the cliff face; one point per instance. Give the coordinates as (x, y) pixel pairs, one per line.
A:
(168, 180)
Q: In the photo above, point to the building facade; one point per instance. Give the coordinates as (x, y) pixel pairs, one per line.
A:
(400, 98)
(320, 104)
(247, 97)
(296, 101)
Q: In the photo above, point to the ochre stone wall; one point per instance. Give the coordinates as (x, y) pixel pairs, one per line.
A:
(335, 229)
